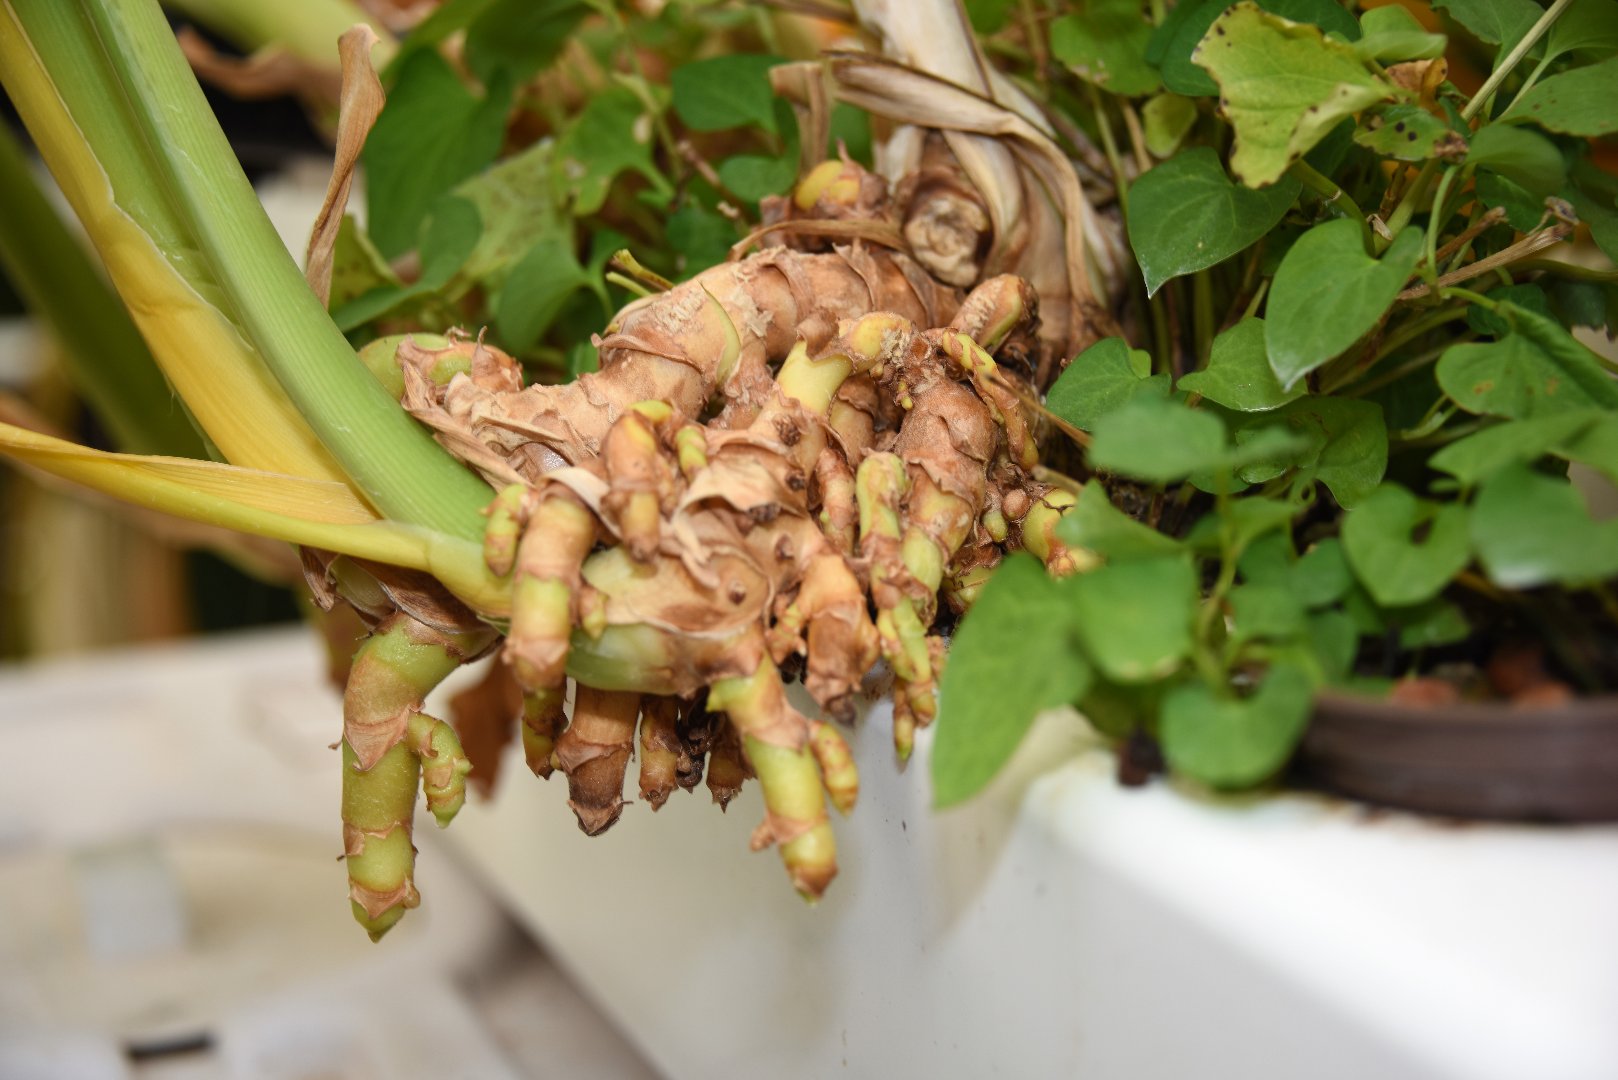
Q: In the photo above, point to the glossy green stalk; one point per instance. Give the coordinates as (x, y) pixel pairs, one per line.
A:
(118, 72)
(392, 458)
(103, 352)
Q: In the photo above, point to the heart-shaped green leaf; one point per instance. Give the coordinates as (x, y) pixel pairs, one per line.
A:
(1517, 442)
(1511, 377)
(1157, 440)
(1134, 616)
(1341, 442)
(1267, 612)
(1186, 215)
(1328, 293)
(1238, 375)
(1104, 377)
(1317, 578)
(428, 106)
(725, 92)
(1408, 133)
(1394, 566)
(1174, 41)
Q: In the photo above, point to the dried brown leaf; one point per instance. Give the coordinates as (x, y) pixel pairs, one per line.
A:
(359, 104)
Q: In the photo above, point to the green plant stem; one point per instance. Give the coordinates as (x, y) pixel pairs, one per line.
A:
(1334, 196)
(307, 29)
(1518, 51)
(1406, 209)
(1213, 605)
(1533, 77)
(104, 353)
(1162, 345)
(1435, 223)
(1415, 328)
(1455, 292)
(392, 459)
(1258, 298)
(1109, 146)
(1202, 315)
(1444, 436)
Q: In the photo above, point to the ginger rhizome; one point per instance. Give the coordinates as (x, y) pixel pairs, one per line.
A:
(798, 465)
(789, 463)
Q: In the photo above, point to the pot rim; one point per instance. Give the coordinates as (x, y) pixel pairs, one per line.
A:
(1600, 709)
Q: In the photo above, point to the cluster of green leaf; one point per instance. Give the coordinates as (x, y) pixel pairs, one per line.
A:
(1355, 421)
(502, 183)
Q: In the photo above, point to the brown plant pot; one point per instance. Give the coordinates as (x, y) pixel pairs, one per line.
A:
(1473, 760)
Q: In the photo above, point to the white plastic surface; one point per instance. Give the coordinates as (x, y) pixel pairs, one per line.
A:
(1070, 927)
(169, 874)
(1059, 926)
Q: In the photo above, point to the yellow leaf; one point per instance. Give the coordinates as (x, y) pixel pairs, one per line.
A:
(297, 509)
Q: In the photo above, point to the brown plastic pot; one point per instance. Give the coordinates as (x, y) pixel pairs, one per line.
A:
(1471, 760)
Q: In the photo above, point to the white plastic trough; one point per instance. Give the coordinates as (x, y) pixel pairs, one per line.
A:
(1058, 926)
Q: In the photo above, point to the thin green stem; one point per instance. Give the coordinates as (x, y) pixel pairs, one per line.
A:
(1410, 331)
(1435, 223)
(1520, 50)
(1444, 436)
(1162, 345)
(1406, 209)
(1455, 292)
(1415, 328)
(1213, 605)
(1109, 146)
(1334, 196)
(1202, 314)
(104, 353)
(1258, 298)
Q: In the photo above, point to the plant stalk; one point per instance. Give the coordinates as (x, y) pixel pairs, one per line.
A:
(1520, 50)
(385, 452)
(105, 356)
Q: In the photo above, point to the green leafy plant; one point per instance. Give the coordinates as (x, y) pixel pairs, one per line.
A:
(1352, 433)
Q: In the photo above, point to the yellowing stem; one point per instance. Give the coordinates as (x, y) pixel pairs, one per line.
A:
(222, 379)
